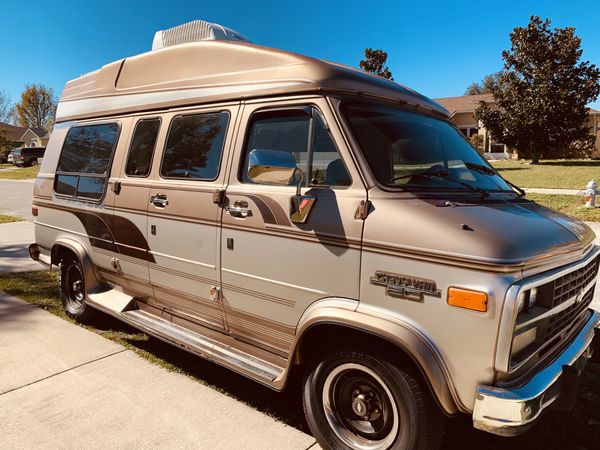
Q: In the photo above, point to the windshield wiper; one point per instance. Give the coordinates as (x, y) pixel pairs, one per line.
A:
(489, 171)
(443, 174)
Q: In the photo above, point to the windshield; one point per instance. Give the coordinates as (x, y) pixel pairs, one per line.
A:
(410, 150)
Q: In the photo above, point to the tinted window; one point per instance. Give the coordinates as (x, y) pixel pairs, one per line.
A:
(411, 150)
(139, 160)
(88, 149)
(85, 161)
(194, 146)
(290, 131)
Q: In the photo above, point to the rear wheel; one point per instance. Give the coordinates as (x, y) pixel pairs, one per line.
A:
(354, 400)
(33, 162)
(72, 289)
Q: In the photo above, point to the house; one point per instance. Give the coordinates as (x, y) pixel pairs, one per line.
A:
(35, 137)
(462, 113)
(25, 137)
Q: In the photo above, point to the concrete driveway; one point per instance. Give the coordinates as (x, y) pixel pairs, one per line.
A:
(62, 386)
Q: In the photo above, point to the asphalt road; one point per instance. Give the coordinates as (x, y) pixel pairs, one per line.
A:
(15, 198)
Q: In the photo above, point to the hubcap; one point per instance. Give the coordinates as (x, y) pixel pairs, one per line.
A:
(360, 408)
(74, 284)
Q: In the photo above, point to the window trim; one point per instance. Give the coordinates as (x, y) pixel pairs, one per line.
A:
(78, 174)
(153, 148)
(293, 108)
(162, 158)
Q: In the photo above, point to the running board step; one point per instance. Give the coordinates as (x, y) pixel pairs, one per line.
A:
(211, 349)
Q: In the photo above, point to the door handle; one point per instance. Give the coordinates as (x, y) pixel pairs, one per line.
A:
(159, 200)
(239, 209)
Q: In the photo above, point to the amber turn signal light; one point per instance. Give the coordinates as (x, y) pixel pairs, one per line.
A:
(464, 298)
(34, 211)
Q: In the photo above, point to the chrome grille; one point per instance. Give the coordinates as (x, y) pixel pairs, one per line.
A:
(563, 320)
(570, 284)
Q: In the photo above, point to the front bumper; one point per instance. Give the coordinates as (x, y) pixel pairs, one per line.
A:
(511, 411)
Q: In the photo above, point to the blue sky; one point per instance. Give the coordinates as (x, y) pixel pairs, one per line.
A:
(434, 47)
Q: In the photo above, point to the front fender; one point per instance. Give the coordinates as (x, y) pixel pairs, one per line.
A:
(392, 328)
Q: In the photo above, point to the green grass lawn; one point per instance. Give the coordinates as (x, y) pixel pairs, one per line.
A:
(565, 174)
(572, 205)
(18, 173)
(7, 219)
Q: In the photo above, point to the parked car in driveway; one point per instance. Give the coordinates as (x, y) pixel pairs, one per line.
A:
(27, 156)
(10, 157)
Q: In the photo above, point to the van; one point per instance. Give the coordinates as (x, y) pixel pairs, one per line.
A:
(27, 156)
(279, 214)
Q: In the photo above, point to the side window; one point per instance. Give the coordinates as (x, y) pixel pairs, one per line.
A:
(194, 146)
(303, 135)
(85, 161)
(139, 160)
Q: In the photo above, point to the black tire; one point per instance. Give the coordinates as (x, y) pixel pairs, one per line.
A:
(72, 290)
(398, 411)
(33, 162)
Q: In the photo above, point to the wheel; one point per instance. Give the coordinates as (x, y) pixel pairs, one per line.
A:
(33, 162)
(354, 400)
(72, 290)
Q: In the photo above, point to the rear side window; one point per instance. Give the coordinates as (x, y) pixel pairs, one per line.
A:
(85, 161)
(194, 146)
(142, 147)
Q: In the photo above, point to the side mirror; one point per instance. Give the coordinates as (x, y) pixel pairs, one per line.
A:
(271, 167)
(279, 168)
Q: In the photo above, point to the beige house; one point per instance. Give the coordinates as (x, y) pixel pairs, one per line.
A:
(35, 137)
(462, 111)
(25, 137)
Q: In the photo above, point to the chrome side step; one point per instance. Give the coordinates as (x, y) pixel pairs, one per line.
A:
(211, 349)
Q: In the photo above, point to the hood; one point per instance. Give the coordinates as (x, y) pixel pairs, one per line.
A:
(495, 233)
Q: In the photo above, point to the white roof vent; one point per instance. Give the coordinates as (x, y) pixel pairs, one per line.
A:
(194, 31)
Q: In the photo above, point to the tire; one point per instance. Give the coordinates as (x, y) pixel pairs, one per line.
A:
(72, 290)
(33, 162)
(354, 400)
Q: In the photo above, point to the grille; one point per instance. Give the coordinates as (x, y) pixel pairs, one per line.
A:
(568, 285)
(564, 319)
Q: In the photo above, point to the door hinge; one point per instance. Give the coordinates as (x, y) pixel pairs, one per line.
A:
(363, 209)
(218, 196)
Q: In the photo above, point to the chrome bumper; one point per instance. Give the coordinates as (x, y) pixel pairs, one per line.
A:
(512, 411)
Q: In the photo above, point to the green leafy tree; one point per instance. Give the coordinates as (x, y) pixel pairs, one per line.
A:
(486, 86)
(37, 106)
(5, 146)
(542, 93)
(374, 62)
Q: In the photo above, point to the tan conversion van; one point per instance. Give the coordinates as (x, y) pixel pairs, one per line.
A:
(276, 214)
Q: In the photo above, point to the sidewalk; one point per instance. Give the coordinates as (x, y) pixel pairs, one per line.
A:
(15, 237)
(76, 389)
(555, 191)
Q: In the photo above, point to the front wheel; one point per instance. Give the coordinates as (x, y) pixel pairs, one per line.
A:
(72, 290)
(354, 400)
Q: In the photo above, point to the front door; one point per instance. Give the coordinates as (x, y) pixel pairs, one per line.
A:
(273, 269)
(183, 214)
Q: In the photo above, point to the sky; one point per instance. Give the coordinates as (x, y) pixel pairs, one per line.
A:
(435, 47)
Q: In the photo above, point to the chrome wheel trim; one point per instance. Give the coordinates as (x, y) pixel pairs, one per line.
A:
(75, 287)
(347, 436)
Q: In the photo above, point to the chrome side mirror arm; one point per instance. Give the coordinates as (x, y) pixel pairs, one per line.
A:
(301, 205)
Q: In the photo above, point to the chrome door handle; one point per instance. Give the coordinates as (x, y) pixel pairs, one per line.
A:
(159, 200)
(239, 210)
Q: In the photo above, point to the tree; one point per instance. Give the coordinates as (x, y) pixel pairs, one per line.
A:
(486, 86)
(5, 107)
(37, 106)
(374, 62)
(5, 146)
(542, 93)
